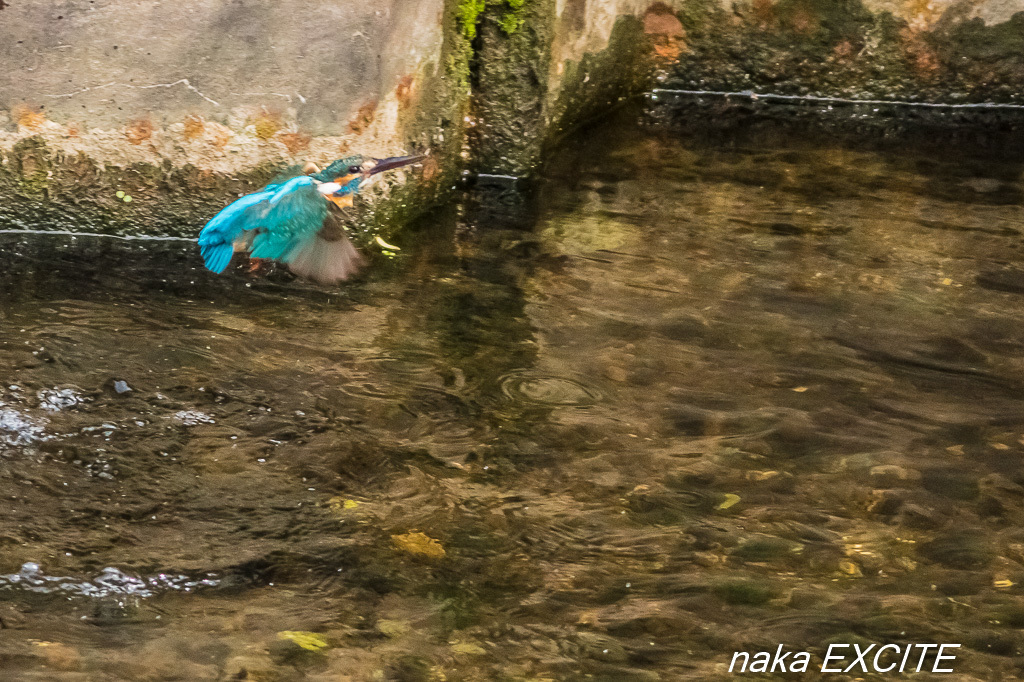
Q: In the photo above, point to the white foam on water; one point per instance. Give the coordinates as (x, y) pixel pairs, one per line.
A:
(19, 429)
(111, 582)
(57, 399)
(193, 417)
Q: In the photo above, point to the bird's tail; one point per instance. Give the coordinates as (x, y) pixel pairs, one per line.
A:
(216, 256)
(325, 260)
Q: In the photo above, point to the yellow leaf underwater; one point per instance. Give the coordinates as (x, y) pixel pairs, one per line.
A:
(468, 648)
(850, 568)
(385, 245)
(307, 640)
(730, 500)
(419, 543)
(393, 628)
(339, 504)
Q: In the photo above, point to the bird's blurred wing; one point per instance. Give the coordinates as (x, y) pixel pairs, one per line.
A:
(295, 211)
(328, 257)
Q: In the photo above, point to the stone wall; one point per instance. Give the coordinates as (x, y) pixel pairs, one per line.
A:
(181, 106)
(952, 51)
(545, 66)
(124, 116)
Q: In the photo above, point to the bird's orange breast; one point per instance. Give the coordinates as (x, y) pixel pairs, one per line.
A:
(342, 201)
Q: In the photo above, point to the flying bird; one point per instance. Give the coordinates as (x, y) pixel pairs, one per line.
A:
(297, 222)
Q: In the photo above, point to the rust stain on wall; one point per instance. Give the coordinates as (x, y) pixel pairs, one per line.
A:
(764, 13)
(294, 141)
(194, 127)
(219, 135)
(802, 21)
(665, 31)
(28, 117)
(431, 169)
(363, 118)
(139, 130)
(405, 91)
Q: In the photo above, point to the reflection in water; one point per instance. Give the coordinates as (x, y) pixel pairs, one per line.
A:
(721, 395)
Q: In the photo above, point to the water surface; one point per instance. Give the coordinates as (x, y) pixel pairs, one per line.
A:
(705, 395)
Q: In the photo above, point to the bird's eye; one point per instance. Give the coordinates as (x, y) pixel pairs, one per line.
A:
(355, 170)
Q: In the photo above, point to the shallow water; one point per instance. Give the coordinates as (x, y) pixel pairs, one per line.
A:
(698, 397)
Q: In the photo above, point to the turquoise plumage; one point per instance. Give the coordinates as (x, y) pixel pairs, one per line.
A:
(216, 241)
(288, 214)
(296, 222)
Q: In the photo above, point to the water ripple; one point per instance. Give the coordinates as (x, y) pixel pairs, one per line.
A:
(544, 389)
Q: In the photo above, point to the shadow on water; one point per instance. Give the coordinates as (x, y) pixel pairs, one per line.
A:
(703, 390)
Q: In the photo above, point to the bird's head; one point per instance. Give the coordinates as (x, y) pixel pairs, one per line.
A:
(353, 172)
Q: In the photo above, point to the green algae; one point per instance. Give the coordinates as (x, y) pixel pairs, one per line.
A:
(48, 191)
(511, 73)
(745, 592)
(514, 18)
(468, 11)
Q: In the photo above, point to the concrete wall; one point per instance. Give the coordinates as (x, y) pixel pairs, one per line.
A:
(183, 105)
(225, 84)
(933, 50)
(550, 64)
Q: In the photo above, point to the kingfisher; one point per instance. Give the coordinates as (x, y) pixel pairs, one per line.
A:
(298, 222)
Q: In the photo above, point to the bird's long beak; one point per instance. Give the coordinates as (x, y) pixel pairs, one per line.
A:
(394, 162)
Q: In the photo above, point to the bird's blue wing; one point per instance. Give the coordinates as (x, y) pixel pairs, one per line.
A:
(282, 214)
(216, 241)
(294, 213)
